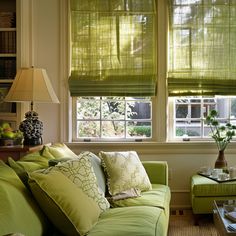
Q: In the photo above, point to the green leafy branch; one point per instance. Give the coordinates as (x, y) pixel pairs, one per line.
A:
(222, 134)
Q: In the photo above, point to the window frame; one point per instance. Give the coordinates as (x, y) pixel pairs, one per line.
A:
(102, 139)
(202, 137)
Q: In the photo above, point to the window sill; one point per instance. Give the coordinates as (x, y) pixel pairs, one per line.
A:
(182, 147)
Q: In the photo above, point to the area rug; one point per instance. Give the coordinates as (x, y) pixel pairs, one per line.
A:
(182, 224)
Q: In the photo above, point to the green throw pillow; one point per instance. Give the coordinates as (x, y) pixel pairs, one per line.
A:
(125, 172)
(69, 195)
(81, 173)
(18, 209)
(28, 163)
(58, 150)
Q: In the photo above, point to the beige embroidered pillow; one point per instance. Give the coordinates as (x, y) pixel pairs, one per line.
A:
(124, 172)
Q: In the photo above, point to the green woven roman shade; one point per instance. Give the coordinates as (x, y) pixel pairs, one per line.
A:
(202, 47)
(113, 48)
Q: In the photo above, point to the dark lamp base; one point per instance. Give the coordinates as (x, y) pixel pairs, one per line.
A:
(33, 141)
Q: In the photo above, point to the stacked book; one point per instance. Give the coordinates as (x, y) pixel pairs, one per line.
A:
(7, 68)
(7, 19)
(7, 41)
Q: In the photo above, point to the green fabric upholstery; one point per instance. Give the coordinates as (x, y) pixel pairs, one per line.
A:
(132, 221)
(67, 206)
(28, 163)
(157, 171)
(58, 150)
(204, 191)
(70, 209)
(202, 186)
(159, 196)
(18, 210)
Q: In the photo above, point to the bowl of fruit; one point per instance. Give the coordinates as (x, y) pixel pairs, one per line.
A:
(8, 136)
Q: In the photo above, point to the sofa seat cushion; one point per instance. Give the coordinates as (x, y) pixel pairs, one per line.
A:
(159, 196)
(202, 186)
(132, 221)
(18, 210)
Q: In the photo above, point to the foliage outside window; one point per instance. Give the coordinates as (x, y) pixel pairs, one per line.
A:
(113, 118)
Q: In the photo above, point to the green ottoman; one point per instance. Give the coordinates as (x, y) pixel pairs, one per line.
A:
(204, 191)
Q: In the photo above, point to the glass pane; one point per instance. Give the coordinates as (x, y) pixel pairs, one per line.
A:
(195, 111)
(222, 107)
(113, 129)
(139, 129)
(88, 129)
(233, 108)
(207, 108)
(138, 110)
(195, 100)
(182, 111)
(191, 129)
(207, 131)
(88, 109)
(113, 110)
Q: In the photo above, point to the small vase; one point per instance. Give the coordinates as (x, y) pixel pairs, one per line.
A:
(221, 163)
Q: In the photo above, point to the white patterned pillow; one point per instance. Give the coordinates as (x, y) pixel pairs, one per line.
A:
(81, 173)
(124, 172)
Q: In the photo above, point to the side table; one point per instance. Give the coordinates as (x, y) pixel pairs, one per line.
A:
(16, 152)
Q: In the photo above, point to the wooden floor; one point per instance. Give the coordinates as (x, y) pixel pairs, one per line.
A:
(182, 224)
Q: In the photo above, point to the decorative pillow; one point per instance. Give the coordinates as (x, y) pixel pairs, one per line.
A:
(69, 195)
(67, 206)
(97, 167)
(28, 163)
(18, 210)
(58, 150)
(80, 172)
(98, 170)
(125, 172)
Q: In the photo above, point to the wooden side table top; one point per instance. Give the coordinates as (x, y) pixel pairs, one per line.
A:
(17, 151)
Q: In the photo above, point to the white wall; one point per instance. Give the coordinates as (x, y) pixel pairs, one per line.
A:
(40, 41)
(183, 159)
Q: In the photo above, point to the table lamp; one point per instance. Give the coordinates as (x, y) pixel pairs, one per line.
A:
(31, 85)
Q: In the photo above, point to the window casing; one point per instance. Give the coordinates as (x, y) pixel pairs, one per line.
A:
(163, 130)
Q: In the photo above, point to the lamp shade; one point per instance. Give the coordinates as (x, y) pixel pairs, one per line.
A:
(31, 84)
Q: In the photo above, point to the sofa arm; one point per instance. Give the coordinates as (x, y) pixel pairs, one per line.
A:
(157, 171)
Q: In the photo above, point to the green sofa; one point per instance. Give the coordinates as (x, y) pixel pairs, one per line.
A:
(147, 215)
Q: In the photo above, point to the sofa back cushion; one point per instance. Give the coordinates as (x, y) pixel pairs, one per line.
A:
(18, 209)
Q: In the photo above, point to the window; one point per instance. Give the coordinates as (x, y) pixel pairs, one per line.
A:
(190, 113)
(202, 51)
(107, 118)
(201, 64)
(113, 69)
